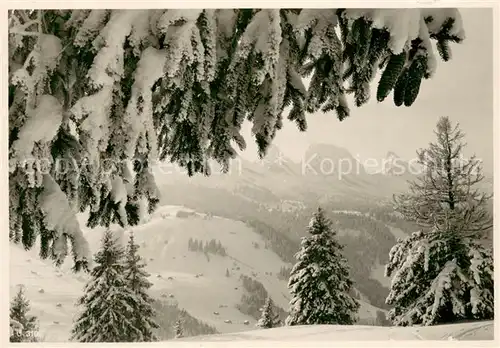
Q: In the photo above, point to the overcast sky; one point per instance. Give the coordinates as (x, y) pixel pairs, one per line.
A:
(461, 89)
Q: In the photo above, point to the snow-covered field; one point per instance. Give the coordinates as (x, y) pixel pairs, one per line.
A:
(196, 283)
(476, 331)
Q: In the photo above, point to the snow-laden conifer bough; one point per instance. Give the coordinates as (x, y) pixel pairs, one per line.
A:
(106, 93)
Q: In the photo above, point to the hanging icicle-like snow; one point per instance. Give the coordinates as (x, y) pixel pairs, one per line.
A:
(319, 20)
(210, 43)
(262, 35)
(266, 45)
(90, 27)
(178, 38)
(60, 218)
(139, 113)
(94, 130)
(41, 125)
(140, 31)
(119, 195)
(108, 67)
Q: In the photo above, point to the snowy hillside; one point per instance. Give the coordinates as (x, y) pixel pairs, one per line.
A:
(368, 238)
(196, 281)
(476, 331)
(51, 291)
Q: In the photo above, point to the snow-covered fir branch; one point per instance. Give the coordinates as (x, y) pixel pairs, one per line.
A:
(109, 92)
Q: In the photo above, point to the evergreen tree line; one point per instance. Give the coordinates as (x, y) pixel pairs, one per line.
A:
(379, 232)
(382, 320)
(213, 246)
(277, 239)
(170, 317)
(367, 243)
(284, 273)
(254, 299)
(386, 214)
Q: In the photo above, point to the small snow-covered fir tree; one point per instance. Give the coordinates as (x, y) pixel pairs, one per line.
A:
(319, 282)
(23, 327)
(268, 319)
(143, 314)
(444, 272)
(108, 302)
(178, 330)
(96, 96)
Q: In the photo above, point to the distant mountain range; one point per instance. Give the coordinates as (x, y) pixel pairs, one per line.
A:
(326, 173)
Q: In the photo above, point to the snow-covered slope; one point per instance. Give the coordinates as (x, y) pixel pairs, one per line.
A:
(55, 306)
(196, 282)
(475, 331)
